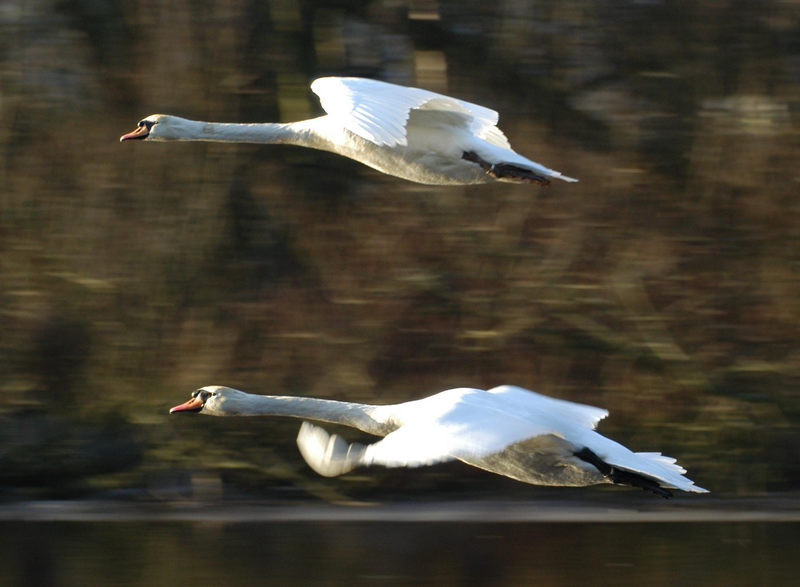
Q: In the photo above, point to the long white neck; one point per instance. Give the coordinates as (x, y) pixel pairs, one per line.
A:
(295, 133)
(362, 416)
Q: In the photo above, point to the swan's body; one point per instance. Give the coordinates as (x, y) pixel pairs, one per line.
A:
(411, 133)
(506, 430)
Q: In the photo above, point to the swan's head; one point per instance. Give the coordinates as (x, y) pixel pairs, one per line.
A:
(214, 400)
(160, 127)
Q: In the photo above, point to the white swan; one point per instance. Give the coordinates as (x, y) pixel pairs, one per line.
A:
(411, 133)
(506, 430)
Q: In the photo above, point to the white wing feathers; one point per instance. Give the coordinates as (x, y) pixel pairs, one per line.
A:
(449, 438)
(535, 404)
(378, 111)
(413, 445)
(327, 454)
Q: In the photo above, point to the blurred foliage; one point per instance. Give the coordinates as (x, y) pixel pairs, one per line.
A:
(664, 286)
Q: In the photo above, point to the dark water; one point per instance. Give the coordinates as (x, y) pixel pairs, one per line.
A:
(439, 544)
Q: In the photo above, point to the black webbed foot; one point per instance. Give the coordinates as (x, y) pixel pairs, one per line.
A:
(473, 156)
(508, 171)
(620, 476)
(505, 170)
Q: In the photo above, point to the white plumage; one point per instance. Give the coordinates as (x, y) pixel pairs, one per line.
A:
(411, 133)
(507, 430)
(379, 111)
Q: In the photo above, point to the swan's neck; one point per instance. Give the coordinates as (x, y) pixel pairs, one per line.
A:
(295, 133)
(362, 416)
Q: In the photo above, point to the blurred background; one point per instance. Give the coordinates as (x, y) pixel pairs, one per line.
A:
(663, 286)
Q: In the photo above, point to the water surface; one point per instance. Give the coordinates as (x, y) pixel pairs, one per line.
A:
(431, 544)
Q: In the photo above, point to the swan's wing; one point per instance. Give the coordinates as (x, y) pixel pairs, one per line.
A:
(479, 120)
(492, 135)
(468, 432)
(535, 405)
(410, 446)
(328, 454)
(378, 111)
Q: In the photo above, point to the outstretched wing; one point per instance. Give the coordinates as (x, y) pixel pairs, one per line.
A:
(378, 111)
(328, 454)
(535, 405)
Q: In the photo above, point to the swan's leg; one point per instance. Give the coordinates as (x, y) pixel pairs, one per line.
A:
(621, 476)
(508, 171)
(473, 156)
(505, 170)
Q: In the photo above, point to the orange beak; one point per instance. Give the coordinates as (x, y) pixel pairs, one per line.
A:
(141, 132)
(193, 405)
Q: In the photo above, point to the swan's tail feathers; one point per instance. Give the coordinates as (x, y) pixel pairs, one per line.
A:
(655, 473)
(562, 177)
(667, 471)
(328, 454)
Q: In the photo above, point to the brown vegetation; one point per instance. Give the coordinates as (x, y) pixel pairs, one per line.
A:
(663, 286)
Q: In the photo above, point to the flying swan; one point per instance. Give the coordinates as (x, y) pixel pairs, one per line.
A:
(507, 430)
(411, 133)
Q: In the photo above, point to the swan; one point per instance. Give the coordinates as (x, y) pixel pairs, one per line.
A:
(507, 430)
(410, 133)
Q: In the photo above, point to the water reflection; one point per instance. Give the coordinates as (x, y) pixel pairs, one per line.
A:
(129, 553)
